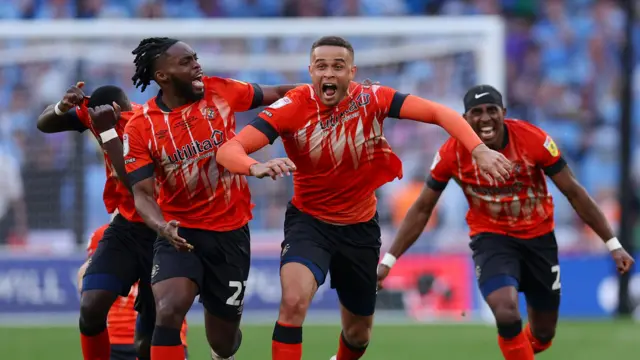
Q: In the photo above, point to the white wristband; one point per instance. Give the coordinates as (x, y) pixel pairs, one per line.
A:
(108, 135)
(388, 260)
(57, 110)
(613, 244)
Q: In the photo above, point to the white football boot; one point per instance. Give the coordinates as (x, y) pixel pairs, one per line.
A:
(215, 356)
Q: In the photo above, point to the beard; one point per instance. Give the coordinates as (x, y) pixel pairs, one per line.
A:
(185, 90)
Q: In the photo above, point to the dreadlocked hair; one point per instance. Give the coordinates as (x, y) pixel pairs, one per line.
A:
(146, 53)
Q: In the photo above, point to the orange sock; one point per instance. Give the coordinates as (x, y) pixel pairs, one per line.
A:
(349, 352)
(537, 345)
(167, 352)
(96, 347)
(287, 342)
(282, 351)
(517, 348)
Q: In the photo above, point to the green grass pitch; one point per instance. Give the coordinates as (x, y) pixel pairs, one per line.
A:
(575, 340)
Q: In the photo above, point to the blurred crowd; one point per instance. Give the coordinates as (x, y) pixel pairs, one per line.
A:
(563, 74)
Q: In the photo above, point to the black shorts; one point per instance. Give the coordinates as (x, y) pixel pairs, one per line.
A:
(128, 352)
(530, 265)
(123, 257)
(350, 253)
(219, 264)
(123, 352)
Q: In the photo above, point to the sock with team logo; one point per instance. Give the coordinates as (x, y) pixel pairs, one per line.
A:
(347, 351)
(537, 345)
(166, 344)
(287, 342)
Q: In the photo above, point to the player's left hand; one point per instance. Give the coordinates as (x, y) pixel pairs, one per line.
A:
(493, 165)
(623, 260)
(104, 117)
(367, 83)
(273, 168)
(383, 272)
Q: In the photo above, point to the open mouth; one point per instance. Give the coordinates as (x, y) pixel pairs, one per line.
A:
(329, 90)
(197, 83)
(487, 133)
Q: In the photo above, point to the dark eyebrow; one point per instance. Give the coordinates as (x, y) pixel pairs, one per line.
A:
(188, 56)
(336, 59)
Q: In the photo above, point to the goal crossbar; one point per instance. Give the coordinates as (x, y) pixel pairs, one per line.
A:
(487, 33)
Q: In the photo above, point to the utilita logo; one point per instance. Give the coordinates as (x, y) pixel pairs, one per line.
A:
(197, 148)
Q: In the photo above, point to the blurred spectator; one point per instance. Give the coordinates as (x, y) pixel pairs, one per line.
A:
(404, 198)
(13, 211)
(151, 9)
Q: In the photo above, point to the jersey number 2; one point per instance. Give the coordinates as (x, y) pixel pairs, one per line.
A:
(555, 269)
(239, 286)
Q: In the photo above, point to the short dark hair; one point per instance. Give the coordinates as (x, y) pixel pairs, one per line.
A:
(146, 54)
(334, 41)
(106, 95)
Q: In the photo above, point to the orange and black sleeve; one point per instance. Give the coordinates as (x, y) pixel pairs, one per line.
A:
(441, 167)
(137, 157)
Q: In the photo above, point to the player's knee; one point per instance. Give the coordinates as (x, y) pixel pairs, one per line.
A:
(225, 343)
(94, 307)
(508, 319)
(544, 334)
(357, 335)
(506, 312)
(294, 307)
(170, 312)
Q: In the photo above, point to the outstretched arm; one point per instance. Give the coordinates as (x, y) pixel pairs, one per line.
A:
(419, 109)
(234, 154)
(263, 130)
(493, 165)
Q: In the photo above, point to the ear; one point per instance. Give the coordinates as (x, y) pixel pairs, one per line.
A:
(354, 71)
(309, 69)
(160, 76)
(464, 115)
(504, 112)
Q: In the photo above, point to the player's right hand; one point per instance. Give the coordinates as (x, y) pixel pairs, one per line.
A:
(169, 231)
(273, 168)
(493, 165)
(73, 97)
(623, 260)
(104, 117)
(383, 272)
